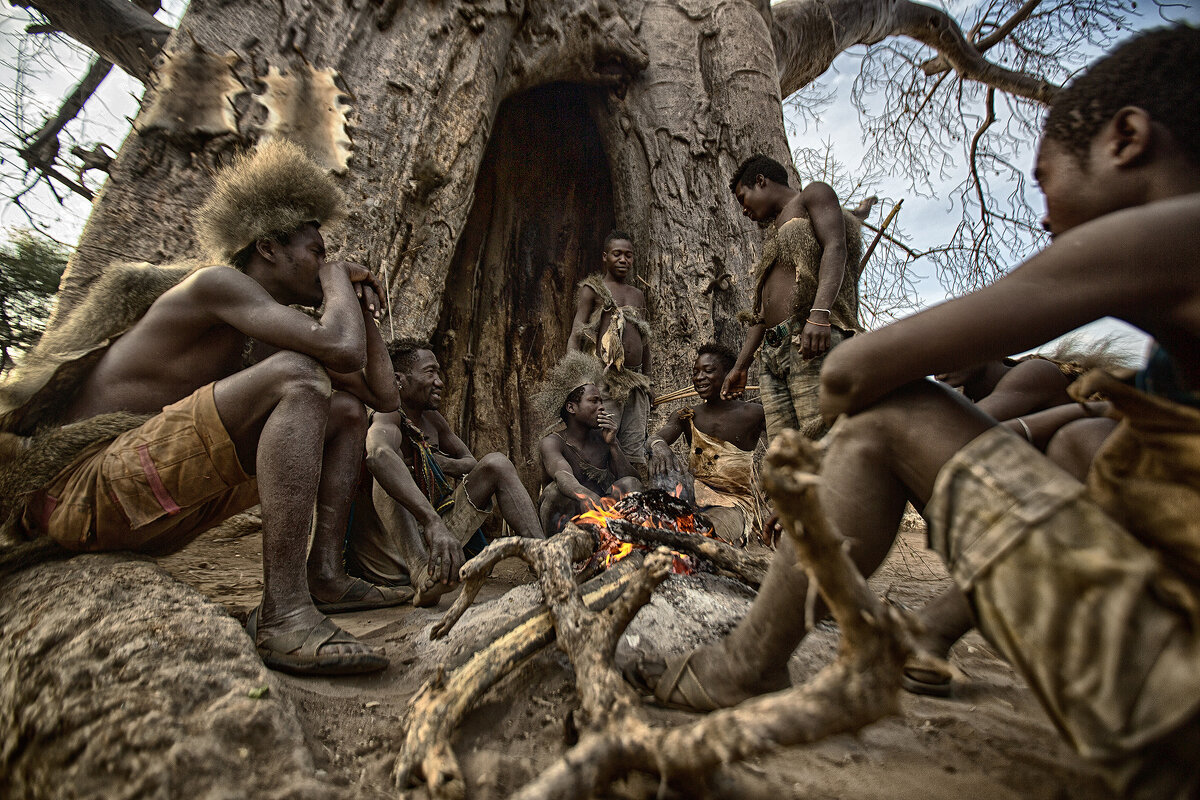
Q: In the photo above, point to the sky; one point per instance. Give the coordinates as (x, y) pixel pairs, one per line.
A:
(47, 73)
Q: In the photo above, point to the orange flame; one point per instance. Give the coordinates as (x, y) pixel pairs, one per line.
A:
(612, 548)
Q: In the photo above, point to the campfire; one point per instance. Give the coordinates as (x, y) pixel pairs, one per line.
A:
(655, 508)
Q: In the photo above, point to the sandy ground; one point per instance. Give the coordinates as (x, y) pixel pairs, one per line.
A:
(989, 740)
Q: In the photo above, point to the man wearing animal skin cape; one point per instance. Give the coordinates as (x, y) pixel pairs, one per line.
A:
(139, 430)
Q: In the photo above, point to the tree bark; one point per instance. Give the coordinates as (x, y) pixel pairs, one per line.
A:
(585, 125)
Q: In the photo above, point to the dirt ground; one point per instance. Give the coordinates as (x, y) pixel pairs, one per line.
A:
(989, 740)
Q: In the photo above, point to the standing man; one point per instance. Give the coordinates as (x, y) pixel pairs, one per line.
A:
(806, 292)
(610, 323)
(206, 437)
(417, 521)
(585, 461)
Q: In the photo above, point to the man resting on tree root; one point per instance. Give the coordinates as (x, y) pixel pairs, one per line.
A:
(1092, 591)
(721, 436)
(220, 438)
(415, 523)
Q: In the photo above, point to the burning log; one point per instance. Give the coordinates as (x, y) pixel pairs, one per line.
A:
(746, 567)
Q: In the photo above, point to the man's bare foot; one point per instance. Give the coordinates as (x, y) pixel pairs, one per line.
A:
(309, 643)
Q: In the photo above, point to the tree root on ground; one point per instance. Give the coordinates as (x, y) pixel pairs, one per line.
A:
(858, 688)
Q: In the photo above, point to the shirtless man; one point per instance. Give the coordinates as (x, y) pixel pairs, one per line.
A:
(721, 436)
(806, 298)
(610, 323)
(415, 522)
(583, 462)
(1091, 592)
(283, 432)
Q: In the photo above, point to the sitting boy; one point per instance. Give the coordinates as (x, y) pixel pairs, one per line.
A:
(1091, 591)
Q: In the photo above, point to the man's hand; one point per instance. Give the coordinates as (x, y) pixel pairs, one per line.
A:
(814, 340)
(589, 501)
(735, 383)
(366, 286)
(608, 427)
(662, 458)
(773, 529)
(445, 553)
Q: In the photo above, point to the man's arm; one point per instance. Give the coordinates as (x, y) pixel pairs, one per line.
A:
(375, 384)
(1029, 386)
(557, 468)
(825, 212)
(1133, 265)
(583, 311)
(735, 379)
(337, 340)
(455, 458)
(662, 458)
(384, 440)
(1040, 426)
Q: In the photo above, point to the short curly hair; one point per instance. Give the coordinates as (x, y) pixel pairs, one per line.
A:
(758, 164)
(403, 352)
(724, 353)
(1157, 71)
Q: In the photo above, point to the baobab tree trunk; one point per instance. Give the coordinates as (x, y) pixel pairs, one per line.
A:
(485, 148)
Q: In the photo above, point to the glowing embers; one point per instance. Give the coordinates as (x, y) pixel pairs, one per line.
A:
(651, 509)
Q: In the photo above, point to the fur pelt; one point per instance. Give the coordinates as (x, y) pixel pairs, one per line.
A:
(572, 371)
(38, 389)
(595, 282)
(27, 463)
(266, 193)
(797, 242)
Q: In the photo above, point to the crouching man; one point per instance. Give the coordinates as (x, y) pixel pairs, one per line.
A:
(416, 522)
(584, 461)
(204, 438)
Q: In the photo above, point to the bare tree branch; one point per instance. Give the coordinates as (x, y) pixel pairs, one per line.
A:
(42, 147)
(938, 65)
(117, 30)
(809, 34)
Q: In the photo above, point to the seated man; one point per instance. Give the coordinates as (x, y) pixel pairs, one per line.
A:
(610, 323)
(416, 522)
(206, 438)
(585, 461)
(1091, 591)
(721, 436)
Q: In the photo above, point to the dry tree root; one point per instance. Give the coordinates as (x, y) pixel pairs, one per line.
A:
(748, 567)
(858, 688)
(439, 707)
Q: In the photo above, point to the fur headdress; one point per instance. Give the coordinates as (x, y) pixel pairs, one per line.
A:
(271, 191)
(574, 370)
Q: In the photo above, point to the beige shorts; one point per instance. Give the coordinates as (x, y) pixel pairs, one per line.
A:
(152, 489)
(1104, 631)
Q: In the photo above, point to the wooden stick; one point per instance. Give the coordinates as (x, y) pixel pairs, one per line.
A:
(748, 567)
(682, 394)
(879, 235)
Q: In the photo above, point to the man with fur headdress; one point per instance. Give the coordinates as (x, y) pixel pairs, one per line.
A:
(806, 293)
(160, 432)
(610, 323)
(585, 460)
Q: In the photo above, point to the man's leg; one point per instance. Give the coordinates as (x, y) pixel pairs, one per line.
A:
(876, 461)
(804, 386)
(275, 413)
(554, 507)
(1074, 445)
(631, 432)
(494, 477)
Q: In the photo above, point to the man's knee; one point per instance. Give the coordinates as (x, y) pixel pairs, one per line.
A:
(627, 485)
(298, 374)
(496, 465)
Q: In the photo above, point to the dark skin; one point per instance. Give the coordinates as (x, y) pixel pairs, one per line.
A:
(1006, 392)
(290, 428)
(1125, 223)
(735, 421)
(592, 432)
(764, 200)
(389, 455)
(616, 261)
